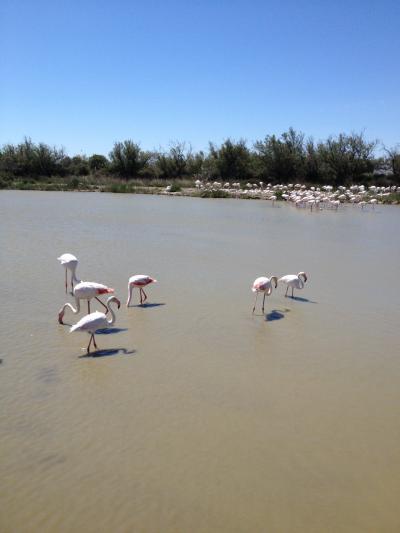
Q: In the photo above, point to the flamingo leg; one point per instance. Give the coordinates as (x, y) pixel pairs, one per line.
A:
(66, 282)
(145, 296)
(263, 303)
(94, 341)
(88, 306)
(90, 342)
(292, 291)
(287, 287)
(255, 301)
(106, 308)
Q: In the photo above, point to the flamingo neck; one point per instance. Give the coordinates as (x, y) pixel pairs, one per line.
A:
(112, 319)
(75, 311)
(129, 295)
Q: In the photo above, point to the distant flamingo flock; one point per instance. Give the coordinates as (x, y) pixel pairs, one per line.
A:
(314, 198)
(88, 290)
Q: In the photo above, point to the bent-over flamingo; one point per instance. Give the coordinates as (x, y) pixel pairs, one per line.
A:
(85, 290)
(294, 281)
(263, 284)
(140, 281)
(69, 262)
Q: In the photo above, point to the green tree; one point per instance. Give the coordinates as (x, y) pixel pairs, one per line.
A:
(128, 160)
(98, 162)
(231, 161)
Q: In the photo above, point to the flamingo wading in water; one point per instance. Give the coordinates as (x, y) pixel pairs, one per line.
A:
(91, 323)
(85, 290)
(140, 281)
(69, 262)
(294, 281)
(263, 284)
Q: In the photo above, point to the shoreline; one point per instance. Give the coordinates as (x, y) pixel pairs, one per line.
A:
(277, 193)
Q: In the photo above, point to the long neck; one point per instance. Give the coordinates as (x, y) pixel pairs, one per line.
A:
(130, 291)
(74, 278)
(112, 320)
(78, 306)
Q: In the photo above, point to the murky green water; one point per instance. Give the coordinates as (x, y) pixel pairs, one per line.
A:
(197, 416)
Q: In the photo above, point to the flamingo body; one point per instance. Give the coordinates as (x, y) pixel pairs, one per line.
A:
(264, 285)
(94, 321)
(294, 281)
(86, 290)
(139, 281)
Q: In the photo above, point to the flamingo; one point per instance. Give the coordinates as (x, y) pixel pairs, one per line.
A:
(69, 262)
(139, 280)
(85, 290)
(294, 281)
(94, 321)
(264, 285)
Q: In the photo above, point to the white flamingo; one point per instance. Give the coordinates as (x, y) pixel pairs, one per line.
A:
(85, 290)
(264, 285)
(140, 281)
(294, 281)
(69, 262)
(91, 323)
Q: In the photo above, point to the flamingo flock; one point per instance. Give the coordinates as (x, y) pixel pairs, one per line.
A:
(314, 198)
(88, 290)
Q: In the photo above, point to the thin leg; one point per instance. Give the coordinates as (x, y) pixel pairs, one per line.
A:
(90, 342)
(94, 342)
(106, 308)
(66, 282)
(88, 306)
(287, 288)
(145, 296)
(292, 292)
(263, 303)
(255, 301)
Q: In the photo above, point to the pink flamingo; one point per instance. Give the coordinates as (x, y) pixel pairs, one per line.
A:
(140, 281)
(69, 262)
(85, 290)
(294, 281)
(264, 285)
(91, 323)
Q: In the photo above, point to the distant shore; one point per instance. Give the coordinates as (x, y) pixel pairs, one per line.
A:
(206, 189)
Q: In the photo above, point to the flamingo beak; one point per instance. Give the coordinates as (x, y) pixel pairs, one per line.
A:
(60, 318)
(118, 302)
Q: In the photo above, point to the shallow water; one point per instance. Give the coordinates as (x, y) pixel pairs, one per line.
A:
(195, 415)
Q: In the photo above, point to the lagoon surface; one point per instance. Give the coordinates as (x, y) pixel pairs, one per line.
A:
(195, 415)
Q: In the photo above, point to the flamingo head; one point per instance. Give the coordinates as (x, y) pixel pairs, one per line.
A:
(114, 299)
(60, 317)
(274, 279)
(302, 275)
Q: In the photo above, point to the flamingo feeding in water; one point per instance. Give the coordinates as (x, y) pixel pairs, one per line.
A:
(91, 323)
(69, 262)
(140, 281)
(85, 290)
(294, 281)
(264, 285)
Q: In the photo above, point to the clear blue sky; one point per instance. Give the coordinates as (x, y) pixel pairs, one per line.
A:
(84, 74)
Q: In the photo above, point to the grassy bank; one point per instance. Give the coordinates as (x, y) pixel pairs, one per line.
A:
(183, 187)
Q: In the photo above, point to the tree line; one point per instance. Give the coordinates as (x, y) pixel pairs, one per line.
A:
(291, 157)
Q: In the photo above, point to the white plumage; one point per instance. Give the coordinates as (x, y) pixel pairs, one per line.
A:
(91, 323)
(139, 281)
(85, 290)
(69, 262)
(263, 284)
(295, 281)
